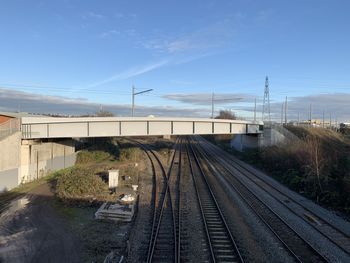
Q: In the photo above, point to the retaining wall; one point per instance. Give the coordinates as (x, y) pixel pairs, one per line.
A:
(23, 161)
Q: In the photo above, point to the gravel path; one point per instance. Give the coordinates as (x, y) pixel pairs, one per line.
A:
(140, 231)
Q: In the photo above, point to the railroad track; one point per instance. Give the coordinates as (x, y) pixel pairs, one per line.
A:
(177, 200)
(330, 231)
(296, 245)
(163, 245)
(222, 246)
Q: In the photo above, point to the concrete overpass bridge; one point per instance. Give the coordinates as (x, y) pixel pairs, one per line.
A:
(48, 127)
(31, 147)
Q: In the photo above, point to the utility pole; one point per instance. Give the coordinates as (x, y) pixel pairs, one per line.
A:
(282, 113)
(133, 98)
(255, 110)
(336, 123)
(266, 100)
(212, 105)
(310, 114)
(133, 101)
(323, 119)
(285, 110)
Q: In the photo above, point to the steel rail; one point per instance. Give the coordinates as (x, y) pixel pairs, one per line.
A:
(167, 196)
(257, 204)
(248, 174)
(200, 205)
(179, 207)
(217, 253)
(155, 195)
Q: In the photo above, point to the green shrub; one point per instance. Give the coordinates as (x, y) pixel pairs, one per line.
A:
(80, 183)
(85, 157)
(318, 165)
(129, 154)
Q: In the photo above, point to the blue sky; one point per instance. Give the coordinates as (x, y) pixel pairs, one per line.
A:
(94, 51)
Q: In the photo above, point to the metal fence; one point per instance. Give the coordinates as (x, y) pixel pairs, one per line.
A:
(9, 127)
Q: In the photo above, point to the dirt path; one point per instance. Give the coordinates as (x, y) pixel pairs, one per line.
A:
(36, 233)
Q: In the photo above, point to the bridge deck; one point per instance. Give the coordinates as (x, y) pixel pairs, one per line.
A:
(46, 127)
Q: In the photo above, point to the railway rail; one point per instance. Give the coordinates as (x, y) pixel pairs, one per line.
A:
(328, 230)
(296, 245)
(163, 240)
(221, 243)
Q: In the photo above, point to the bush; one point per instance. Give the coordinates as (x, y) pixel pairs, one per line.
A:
(129, 154)
(102, 144)
(85, 157)
(80, 183)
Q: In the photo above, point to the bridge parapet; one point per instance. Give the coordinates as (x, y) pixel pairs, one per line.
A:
(47, 127)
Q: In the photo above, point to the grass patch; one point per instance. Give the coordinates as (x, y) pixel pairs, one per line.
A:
(130, 154)
(86, 157)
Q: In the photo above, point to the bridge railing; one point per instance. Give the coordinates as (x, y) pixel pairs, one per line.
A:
(38, 128)
(9, 127)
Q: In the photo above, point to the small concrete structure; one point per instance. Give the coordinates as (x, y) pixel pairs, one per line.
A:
(116, 212)
(113, 176)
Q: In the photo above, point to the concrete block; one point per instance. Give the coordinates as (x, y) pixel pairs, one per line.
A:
(116, 212)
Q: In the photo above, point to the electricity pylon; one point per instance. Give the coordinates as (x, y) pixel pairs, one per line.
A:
(266, 102)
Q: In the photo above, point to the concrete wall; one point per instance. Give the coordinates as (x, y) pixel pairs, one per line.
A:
(241, 142)
(40, 158)
(10, 161)
(10, 151)
(272, 137)
(27, 160)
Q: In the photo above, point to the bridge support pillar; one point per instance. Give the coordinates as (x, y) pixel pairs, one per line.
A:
(241, 142)
(26, 160)
(39, 158)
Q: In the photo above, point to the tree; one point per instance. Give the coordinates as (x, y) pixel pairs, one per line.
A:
(345, 129)
(317, 160)
(104, 114)
(226, 114)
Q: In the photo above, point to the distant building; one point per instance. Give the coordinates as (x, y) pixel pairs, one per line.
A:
(5, 116)
(315, 123)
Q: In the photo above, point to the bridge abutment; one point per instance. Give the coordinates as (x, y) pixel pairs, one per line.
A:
(241, 142)
(39, 158)
(23, 161)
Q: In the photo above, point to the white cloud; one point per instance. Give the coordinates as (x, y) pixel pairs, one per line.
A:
(264, 14)
(336, 104)
(136, 71)
(215, 35)
(12, 100)
(206, 98)
(92, 14)
(109, 33)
